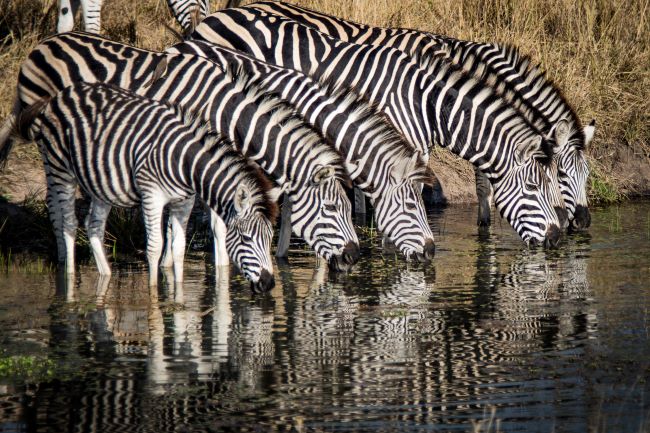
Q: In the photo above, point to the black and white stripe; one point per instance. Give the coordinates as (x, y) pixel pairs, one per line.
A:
(511, 74)
(437, 104)
(189, 13)
(263, 127)
(371, 146)
(121, 150)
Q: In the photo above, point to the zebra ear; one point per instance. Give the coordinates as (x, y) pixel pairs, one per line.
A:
(560, 133)
(322, 174)
(242, 199)
(590, 130)
(525, 150)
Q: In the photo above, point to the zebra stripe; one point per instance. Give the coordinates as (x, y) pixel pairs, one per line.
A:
(437, 105)
(122, 149)
(511, 74)
(187, 12)
(371, 146)
(263, 127)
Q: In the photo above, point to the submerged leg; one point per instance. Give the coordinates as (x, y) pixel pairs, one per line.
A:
(219, 231)
(179, 215)
(484, 195)
(153, 203)
(284, 236)
(96, 227)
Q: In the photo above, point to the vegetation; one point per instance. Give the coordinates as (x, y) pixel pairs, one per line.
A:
(598, 51)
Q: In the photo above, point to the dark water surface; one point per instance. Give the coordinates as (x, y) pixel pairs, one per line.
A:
(489, 337)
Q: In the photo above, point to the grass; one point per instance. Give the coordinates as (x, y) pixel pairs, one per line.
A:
(598, 51)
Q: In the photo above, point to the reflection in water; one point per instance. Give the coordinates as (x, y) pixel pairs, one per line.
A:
(391, 346)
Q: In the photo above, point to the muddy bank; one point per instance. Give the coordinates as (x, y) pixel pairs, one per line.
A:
(626, 171)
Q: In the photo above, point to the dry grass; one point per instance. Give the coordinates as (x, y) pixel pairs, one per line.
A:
(598, 51)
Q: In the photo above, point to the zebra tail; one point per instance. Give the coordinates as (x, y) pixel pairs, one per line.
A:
(6, 134)
(23, 121)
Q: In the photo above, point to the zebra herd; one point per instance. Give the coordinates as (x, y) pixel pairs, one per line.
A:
(312, 102)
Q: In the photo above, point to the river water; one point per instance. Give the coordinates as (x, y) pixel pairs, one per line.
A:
(489, 337)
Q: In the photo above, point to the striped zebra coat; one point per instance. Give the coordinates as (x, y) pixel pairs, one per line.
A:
(439, 104)
(122, 150)
(371, 146)
(503, 67)
(262, 127)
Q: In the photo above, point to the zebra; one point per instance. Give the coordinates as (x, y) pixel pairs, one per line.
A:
(439, 104)
(264, 128)
(187, 12)
(123, 149)
(503, 67)
(356, 128)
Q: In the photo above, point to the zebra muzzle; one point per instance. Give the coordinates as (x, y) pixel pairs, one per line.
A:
(552, 238)
(581, 218)
(562, 216)
(265, 283)
(348, 257)
(428, 251)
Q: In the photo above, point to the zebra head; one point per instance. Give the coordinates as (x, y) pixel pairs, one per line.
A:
(248, 239)
(525, 195)
(321, 215)
(557, 139)
(573, 172)
(399, 210)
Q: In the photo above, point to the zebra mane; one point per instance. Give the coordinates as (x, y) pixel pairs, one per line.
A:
(540, 82)
(284, 116)
(360, 108)
(442, 67)
(247, 173)
(527, 72)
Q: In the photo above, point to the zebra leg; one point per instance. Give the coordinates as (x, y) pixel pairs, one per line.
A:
(168, 256)
(359, 201)
(484, 194)
(179, 215)
(153, 204)
(284, 236)
(66, 16)
(96, 227)
(65, 200)
(219, 231)
(92, 10)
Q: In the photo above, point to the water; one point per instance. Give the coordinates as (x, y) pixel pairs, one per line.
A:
(489, 337)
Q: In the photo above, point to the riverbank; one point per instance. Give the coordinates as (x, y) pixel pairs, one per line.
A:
(596, 52)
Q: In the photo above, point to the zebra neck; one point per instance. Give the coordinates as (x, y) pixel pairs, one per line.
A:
(213, 176)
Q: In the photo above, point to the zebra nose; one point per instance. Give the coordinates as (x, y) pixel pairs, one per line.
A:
(552, 236)
(348, 257)
(265, 283)
(428, 251)
(581, 218)
(562, 216)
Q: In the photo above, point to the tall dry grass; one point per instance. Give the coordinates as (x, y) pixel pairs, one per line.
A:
(598, 51)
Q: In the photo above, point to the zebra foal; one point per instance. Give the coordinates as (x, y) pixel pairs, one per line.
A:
(502, 67)
(122, 150)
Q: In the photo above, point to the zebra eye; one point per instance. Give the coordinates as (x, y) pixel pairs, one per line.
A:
(329, 207)
(246, 238)
(532, 187)
(411, 206)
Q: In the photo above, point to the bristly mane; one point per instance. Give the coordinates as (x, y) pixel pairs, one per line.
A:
(361, 108)
(283, 115)
(527, 72)
(441, 66)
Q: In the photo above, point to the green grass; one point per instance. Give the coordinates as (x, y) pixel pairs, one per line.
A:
(26, 368)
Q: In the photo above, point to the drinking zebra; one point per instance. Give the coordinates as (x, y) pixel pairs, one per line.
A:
(360, 132)
(263, 127)
(123, 149)
(439, 104)
(187, 12)
(503, 67)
